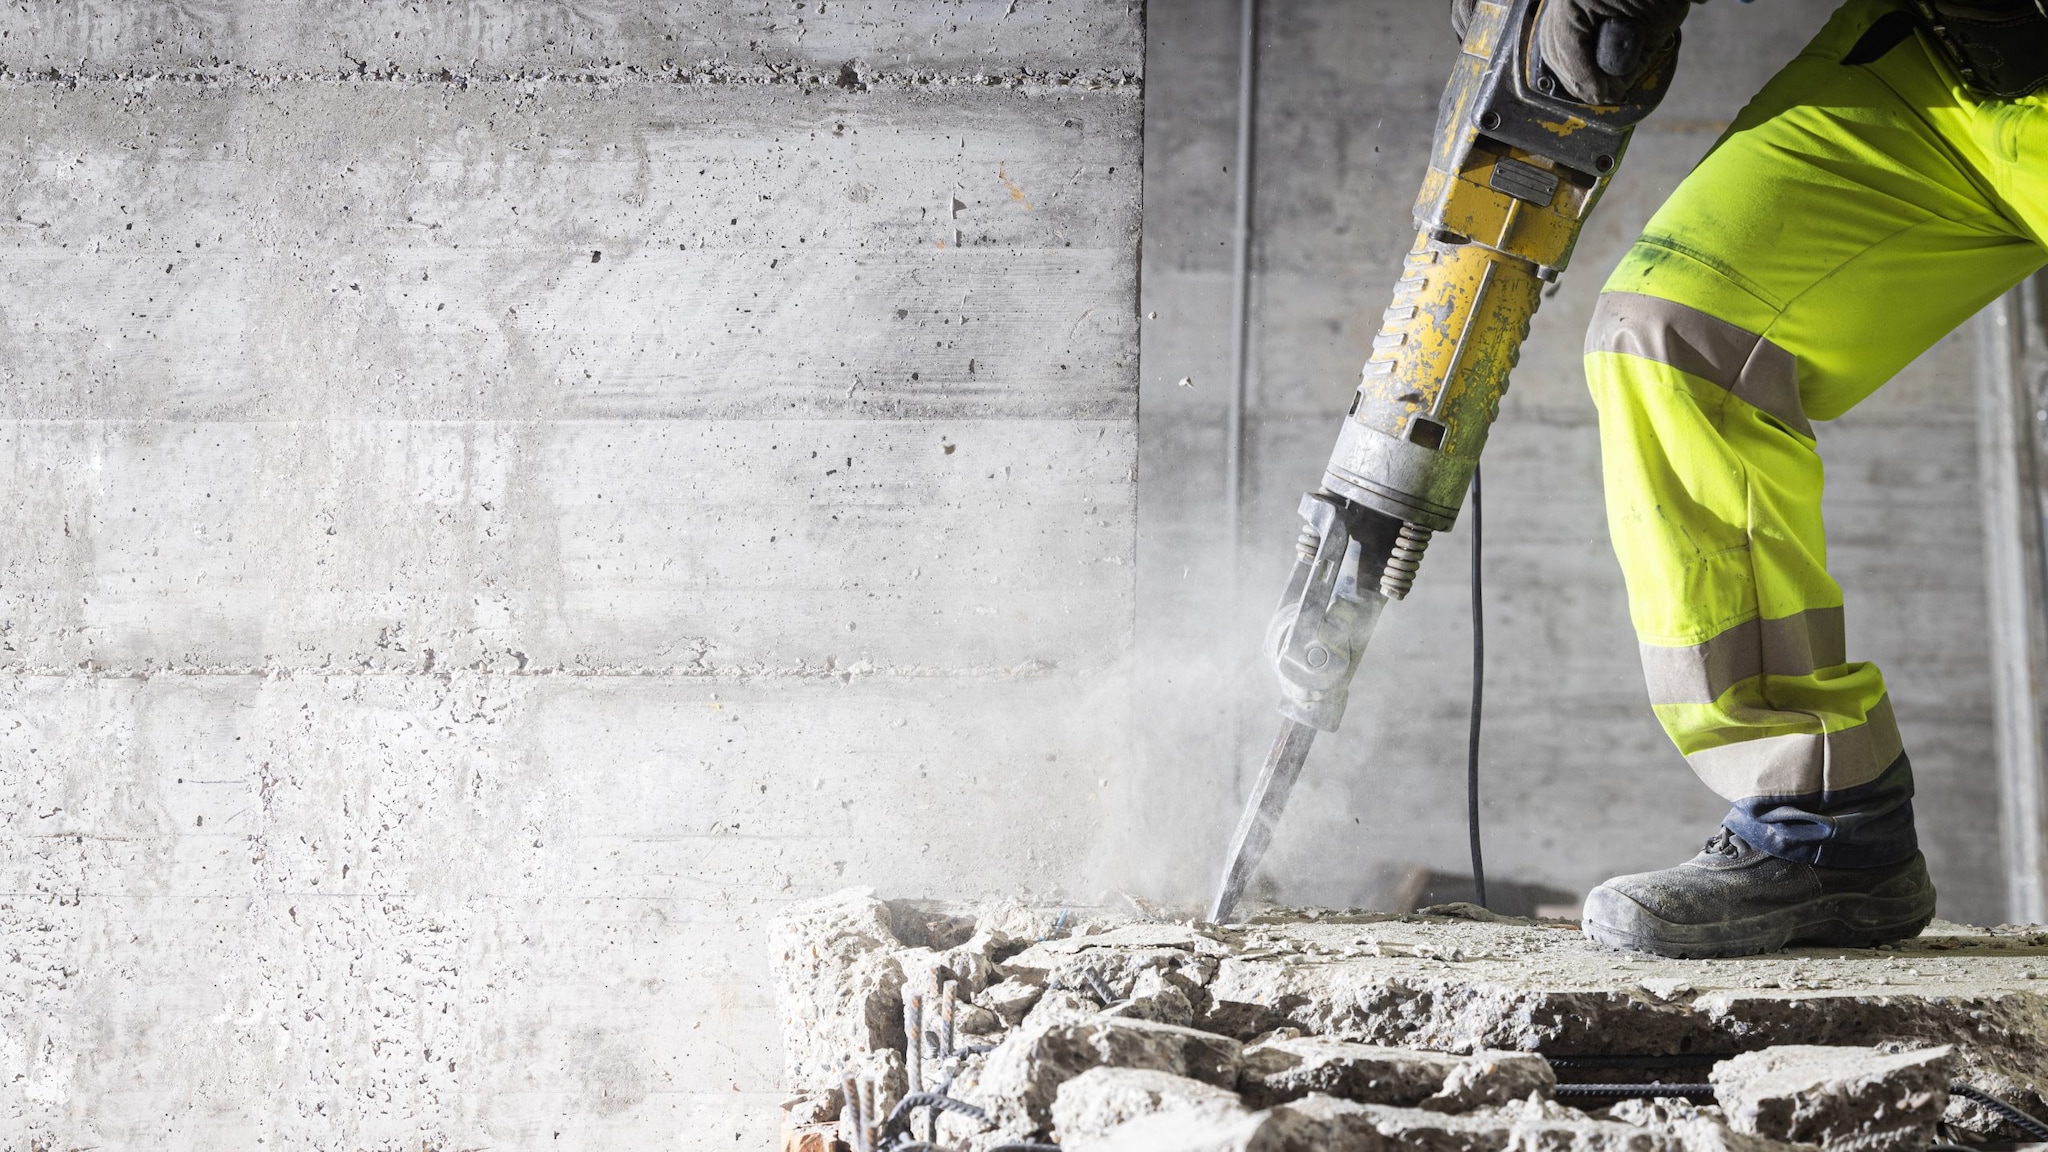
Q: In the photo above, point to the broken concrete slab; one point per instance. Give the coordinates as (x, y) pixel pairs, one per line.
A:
(1119, 956)
(1181, 1132)
(837, 984)
(1493, 1078)
(1458, 986)
(971, 1019)
(1703, 1127)
(1061, 1006)
(1011, 1000)
(1165, 1005)
(1325, 1124)
(1092, 1104)
(1292, 1067)
(1524, 1124)
(1020, 1079)
(1843, 1099)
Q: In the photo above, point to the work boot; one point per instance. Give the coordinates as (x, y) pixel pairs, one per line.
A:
(1733, 900)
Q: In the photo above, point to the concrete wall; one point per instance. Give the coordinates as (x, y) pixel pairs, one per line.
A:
(1580, 782)
(499, 496)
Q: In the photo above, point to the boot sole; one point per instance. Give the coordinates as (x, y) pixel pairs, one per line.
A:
(1844, 920)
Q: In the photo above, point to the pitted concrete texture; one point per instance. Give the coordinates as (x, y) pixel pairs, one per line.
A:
(764, 41)
(1327, 1124)
(1843, 1099)
(504, 496)
(1100, 1100)
(1283, 1068)
(1448, 1013)
(1021, 1079)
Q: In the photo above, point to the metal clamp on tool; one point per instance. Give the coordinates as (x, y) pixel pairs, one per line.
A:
(1325, 618)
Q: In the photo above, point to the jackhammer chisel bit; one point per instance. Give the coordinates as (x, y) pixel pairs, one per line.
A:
(1516, 168)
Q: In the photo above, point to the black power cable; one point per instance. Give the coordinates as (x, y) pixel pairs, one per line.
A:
(1478, 692)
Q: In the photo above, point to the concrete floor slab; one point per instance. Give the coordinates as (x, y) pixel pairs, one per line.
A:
(1467, 981)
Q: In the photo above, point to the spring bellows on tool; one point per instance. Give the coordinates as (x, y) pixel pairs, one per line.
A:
(1399, 576)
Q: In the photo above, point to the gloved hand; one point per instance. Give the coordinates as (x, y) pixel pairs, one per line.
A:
(1596, 64)
(1461, 17)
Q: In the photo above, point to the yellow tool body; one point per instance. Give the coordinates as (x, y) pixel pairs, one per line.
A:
(1507, 190)
(1515, 170)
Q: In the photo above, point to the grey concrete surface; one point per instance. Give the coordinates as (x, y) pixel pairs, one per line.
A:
(501, 496)
(1580, 783)
(1448, 1014)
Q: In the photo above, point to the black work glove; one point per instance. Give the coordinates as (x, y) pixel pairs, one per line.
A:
(1598, 48)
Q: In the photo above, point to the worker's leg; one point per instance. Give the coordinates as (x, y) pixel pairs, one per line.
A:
(1853, 215)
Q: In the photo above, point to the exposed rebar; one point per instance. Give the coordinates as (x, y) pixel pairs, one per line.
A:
(913, 1039)
(1100, 989)
(2034, 1128)
(949, 1005)
(1634, 1091)
(901, 1122)
(849, 1112)
(870, 1127)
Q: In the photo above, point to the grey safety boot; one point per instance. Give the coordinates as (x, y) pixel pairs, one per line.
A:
(1733, 900)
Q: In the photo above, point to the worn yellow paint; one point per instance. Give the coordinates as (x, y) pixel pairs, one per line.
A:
(1568, 126)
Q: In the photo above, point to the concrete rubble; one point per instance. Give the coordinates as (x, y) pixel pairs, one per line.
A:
(1099, 1101)
(1328, 1031)
(1839, 1098)
(1327, 1124)
(1289, 1068)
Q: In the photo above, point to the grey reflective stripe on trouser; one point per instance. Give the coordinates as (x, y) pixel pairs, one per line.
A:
(1803, 763)
(1796, 645)
(1750, 367)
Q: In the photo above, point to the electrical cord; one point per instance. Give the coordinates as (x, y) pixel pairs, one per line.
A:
(1478, 693)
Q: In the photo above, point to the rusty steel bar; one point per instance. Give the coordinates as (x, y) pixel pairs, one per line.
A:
(870, 1127)
(849, 1113)
(948, 1010)
(913, 1038)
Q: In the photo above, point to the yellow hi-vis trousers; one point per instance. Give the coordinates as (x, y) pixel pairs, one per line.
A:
(1852, 215)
